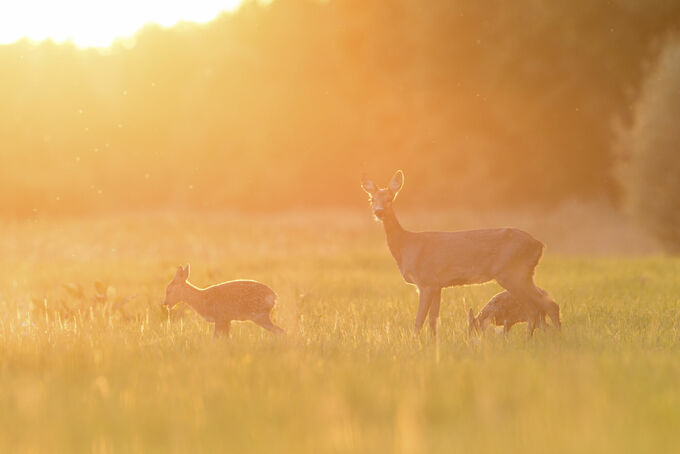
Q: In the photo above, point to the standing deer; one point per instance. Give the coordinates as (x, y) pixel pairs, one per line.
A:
(225, 302)
(434, 260)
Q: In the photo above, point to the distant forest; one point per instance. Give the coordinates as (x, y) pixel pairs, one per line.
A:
(284, 105)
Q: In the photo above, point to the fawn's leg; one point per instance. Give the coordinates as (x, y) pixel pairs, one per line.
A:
(531, 326)
(265, 322)
(506, 327)
(222, 328)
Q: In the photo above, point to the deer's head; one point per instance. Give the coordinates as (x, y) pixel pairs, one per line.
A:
(175, 290)
(381, 199)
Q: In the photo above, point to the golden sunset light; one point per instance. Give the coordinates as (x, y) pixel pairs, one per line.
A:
(339, 226)
(98, 23)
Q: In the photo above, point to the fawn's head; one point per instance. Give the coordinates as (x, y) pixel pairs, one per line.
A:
(381, 199)
(173, 293)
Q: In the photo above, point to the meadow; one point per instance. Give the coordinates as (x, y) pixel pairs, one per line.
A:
(89, 362)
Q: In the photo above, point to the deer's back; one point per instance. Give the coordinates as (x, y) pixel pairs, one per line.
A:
(239, 300)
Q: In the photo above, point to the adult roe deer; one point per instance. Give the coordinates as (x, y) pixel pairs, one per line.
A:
(505, 310)
(225, 302)
(434, 260)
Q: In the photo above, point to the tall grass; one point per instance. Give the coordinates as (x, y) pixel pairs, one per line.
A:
(90, 363)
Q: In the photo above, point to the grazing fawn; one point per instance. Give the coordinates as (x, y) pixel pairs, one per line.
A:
(434, 260)
(225, 302)
(505, 310)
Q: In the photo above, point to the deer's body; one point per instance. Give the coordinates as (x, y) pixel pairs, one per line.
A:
(435, 260)
(426, 258)
(505, 310)
(223, 303)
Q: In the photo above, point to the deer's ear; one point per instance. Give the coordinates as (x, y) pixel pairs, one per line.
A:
(186, 272)
(179, 274)
(396, 182)
(368, 185)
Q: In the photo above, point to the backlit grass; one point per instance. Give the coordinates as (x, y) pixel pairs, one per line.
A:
(90, 362)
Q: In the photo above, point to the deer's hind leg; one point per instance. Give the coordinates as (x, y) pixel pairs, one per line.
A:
(521, 286)
(263, 319)
(546, 304)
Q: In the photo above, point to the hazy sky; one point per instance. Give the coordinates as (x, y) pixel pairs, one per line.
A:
(98, 22)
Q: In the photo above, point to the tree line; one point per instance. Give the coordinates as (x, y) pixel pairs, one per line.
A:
(284, 105)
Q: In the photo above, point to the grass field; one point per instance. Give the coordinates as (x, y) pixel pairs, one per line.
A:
(85, 369)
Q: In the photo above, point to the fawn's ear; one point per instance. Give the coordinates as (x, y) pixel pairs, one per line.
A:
(368, 185)
(186, 272)
(179, 274)
(396, 182)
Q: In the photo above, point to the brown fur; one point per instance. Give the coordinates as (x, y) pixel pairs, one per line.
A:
(225, 302)
(434, 260)
(505, 310)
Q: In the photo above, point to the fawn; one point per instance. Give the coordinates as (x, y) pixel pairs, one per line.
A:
(505, 310)
(225, 302)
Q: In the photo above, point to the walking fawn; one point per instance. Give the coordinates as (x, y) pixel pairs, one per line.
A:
(505, 310)
(434, 260)
(222, 303)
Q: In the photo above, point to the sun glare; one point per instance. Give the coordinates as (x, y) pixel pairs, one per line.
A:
(98, 23)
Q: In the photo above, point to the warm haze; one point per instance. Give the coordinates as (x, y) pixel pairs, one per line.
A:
(526, 145)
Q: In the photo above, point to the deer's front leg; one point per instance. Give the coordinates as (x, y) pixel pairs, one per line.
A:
(424, 301)
(434, 310)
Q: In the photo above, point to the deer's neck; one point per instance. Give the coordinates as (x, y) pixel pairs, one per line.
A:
(194, 297)
(395, 234)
